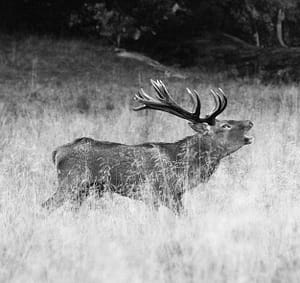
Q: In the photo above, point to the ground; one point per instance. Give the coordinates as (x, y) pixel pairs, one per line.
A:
(242, 226)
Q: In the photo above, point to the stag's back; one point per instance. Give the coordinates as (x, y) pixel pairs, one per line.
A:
(87, 160)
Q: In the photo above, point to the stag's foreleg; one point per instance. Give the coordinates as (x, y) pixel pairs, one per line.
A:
(171, 198)
(176, 204)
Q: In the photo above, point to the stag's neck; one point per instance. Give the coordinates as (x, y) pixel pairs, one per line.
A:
(201, 145)
(200, 154)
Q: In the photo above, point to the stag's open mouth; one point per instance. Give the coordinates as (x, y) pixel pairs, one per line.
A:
(248, 140)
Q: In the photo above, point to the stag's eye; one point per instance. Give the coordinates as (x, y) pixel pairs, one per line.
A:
(226, 126)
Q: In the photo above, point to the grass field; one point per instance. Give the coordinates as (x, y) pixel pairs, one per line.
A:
(243, 226)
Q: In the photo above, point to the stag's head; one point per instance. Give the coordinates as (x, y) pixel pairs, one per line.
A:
(231, 134)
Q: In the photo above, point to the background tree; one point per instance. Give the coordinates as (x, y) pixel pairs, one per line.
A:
(126, 20)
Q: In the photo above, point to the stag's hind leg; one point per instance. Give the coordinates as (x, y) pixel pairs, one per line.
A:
(76, 195)
(56, 200)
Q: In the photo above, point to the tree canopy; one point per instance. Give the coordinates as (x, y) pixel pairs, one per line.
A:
(133, 19)
(162, 24)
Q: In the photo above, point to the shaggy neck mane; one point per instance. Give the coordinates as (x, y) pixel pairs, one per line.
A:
(200, 155)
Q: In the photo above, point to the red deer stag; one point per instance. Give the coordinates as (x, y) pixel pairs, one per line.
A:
(169, 169)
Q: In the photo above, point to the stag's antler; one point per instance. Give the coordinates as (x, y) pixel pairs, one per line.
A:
(164, 102)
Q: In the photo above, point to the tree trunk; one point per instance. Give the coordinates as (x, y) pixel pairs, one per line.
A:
(279, 30)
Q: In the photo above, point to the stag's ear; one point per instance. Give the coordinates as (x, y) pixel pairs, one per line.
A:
(202, 128)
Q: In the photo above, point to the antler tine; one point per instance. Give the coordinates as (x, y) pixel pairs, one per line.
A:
(143, 95)
(138, 108)
(217, 101)
(224, 98)
(196, 102)
(158, 91)
(221, 103)
(161, 91)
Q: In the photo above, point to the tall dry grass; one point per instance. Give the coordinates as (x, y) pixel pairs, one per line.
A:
(243, 226)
